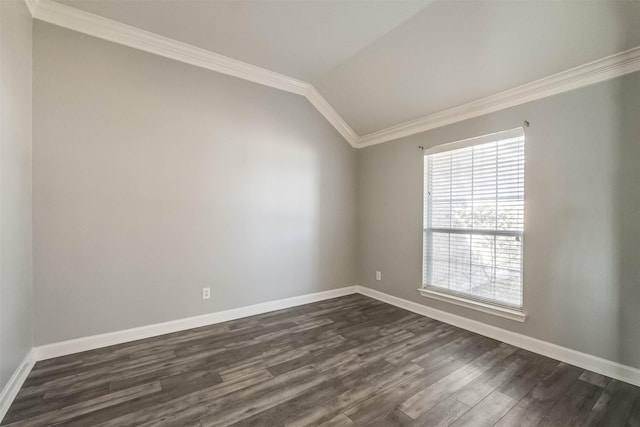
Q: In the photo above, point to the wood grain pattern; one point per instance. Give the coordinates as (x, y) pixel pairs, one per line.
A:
(350, 361)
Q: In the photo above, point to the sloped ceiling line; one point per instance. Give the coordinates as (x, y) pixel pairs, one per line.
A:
(107, 29)
(68, 17)
(584, 75)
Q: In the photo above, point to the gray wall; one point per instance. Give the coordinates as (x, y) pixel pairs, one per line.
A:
(582, 217)
(15, 186)
(153, 179)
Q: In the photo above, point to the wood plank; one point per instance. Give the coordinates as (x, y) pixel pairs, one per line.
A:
(524, 381)
(595, 379)
(386, 402)
(341, 362)
(441, 415)
(614, 406)
(392, 419)
(487, 412)
(634, 416)
(182, 398)
(317, 396)
(246, 407)
(80, 408)
(345, 400)
(481, 387)
(430, 396)
(535, 405)
(573, 407)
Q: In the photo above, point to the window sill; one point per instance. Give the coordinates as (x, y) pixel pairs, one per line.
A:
(507, 313)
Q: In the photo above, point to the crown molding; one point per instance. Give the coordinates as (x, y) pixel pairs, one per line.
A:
(113, 31)
(31, 5)
(74, 19)
(332, 115)
(584, 75)
(117, 32)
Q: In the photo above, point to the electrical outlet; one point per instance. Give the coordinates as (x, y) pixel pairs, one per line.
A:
(378, 275)
(206, 293)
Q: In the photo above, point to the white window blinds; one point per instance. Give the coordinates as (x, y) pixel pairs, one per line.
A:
(474, 218)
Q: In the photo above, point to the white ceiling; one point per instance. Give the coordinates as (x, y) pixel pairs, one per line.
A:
(381, 63)
(301, 39)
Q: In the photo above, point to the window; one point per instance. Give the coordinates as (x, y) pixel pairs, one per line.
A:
(474, 221)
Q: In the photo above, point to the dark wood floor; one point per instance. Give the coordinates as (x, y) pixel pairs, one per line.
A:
(346, 361)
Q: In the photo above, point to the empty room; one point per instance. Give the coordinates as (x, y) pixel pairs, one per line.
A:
(320, 213)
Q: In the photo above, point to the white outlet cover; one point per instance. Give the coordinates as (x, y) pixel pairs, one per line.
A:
(206, 293)
(378, 275)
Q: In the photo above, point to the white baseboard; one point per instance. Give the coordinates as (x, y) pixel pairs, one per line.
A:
(596, 364)
(12, 387)
(602, 366)
(103, 340)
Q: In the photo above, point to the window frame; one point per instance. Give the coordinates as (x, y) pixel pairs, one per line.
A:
(463, 299)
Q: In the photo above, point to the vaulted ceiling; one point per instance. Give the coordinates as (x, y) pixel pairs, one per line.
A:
(302, 39)
(381, 63)
(453, 52)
